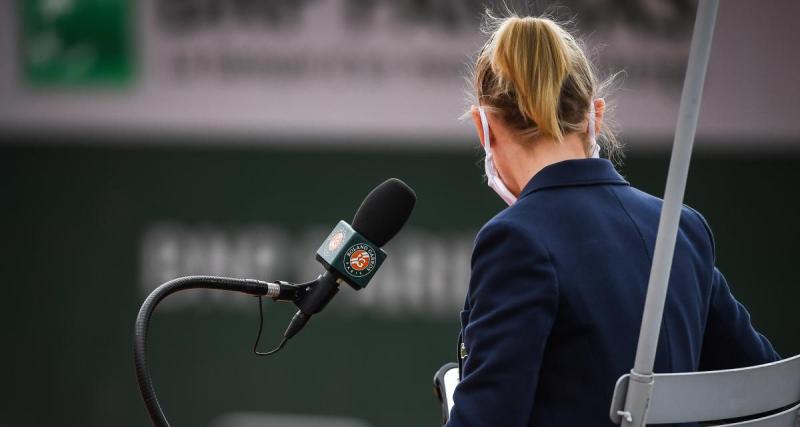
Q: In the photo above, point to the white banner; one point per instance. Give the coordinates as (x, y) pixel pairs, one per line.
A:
(427, 276)
(374, 72)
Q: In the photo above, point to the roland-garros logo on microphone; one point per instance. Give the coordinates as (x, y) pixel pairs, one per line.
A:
(359, 260)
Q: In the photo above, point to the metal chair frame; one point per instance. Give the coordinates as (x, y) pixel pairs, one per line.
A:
(642, 396)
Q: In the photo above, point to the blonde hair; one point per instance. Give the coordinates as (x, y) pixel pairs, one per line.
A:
(535, 74)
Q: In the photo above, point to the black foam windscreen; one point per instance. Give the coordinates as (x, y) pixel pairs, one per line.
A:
(384, 211)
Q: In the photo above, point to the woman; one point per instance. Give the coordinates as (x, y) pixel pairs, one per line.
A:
(555, 300)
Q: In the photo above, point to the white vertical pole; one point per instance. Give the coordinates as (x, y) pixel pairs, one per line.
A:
(641, 380)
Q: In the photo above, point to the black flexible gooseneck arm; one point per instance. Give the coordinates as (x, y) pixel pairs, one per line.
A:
(283, 291)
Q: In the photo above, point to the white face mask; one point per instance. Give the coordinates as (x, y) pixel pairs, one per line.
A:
(492, 177)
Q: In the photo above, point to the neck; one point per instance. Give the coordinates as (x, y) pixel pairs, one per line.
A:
(526, 159)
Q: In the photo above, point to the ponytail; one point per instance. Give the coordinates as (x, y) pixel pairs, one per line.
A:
(531, 58)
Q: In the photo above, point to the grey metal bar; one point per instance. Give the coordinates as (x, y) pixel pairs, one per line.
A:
(640, 385)
(717, 395)
(689, 397)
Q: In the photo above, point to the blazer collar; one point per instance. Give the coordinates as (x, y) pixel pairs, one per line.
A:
(570, 173)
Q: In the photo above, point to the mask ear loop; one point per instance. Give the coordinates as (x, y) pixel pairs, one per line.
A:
(493, 178)
(594, 148)
(485, 123)
(487, 146)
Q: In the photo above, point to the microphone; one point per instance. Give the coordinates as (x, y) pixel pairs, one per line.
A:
(352, 254)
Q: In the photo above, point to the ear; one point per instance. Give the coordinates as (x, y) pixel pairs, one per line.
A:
(476, 118)
(599, 113)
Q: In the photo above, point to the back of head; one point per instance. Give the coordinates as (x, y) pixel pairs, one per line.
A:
(535, 74)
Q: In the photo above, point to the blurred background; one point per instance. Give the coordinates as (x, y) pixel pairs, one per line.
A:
(144, 140)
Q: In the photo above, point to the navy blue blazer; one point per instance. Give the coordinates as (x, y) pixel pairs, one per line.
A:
(556, 296)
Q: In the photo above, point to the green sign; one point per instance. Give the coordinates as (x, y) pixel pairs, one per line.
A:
(76, 42)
